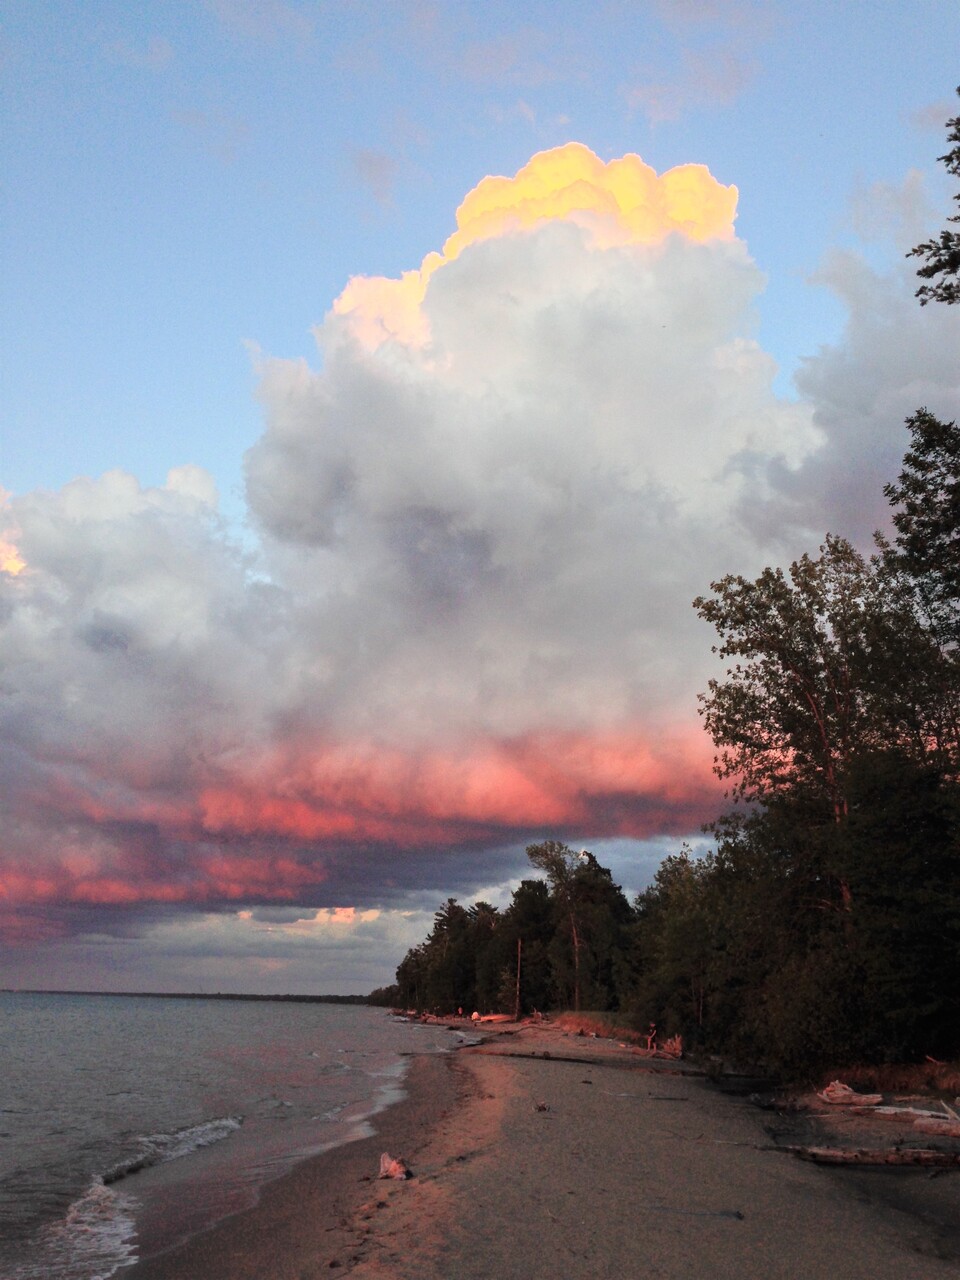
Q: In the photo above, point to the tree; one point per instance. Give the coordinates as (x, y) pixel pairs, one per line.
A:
(829, 662)
(927, 548)
(832, 906)
(529, 920)
(591, 918)
(559, 863)
(673, 944)
(487, 950)
(605, 916)
(899, 852)
(450, 979)
(943, 254)
(412, 978)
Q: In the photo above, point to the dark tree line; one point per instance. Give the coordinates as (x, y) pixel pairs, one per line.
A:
(560, 943)
(824, 927)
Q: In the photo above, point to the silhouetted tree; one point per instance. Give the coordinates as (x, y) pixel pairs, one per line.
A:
(528, 920)
(591, 915)
(942, 255)
(927, 520)
(829, 661)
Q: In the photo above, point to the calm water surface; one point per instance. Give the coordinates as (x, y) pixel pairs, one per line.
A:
(128, 1123)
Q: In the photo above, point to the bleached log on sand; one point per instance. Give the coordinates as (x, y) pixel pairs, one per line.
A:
(903, 1115)
(943, 1126)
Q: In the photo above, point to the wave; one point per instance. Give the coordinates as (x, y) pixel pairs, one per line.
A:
(157, 1148)
(92, 1241)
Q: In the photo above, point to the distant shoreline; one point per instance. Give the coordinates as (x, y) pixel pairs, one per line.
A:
(190, 995)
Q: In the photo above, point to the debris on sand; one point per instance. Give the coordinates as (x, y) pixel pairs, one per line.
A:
(842, 1095)
(921, 1157)
(394, 1168)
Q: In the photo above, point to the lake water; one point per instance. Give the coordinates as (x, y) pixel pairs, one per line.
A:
(128, 1123)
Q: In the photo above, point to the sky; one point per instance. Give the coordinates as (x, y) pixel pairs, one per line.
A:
(380, 384)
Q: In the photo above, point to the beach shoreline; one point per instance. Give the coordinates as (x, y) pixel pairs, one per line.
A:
(540, 1153)
(307, 1218)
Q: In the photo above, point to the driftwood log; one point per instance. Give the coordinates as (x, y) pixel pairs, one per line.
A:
(922, 1157)
(933, 1122)
(941, 1125)
(902, 1115)
(841, 1095)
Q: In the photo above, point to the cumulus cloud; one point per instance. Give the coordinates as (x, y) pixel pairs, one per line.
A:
(466, 620)
(901, 212)
(892, 358)
(519, 464)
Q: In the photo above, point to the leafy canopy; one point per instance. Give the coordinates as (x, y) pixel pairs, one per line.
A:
(830, 660)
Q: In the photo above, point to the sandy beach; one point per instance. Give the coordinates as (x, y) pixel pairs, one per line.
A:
(541, 1153)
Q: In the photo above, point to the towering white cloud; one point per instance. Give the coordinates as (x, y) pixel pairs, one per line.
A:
(482, 517)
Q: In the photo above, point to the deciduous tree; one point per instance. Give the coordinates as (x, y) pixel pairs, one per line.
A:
(829, 660)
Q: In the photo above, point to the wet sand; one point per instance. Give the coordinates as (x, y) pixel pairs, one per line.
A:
(544, 1154)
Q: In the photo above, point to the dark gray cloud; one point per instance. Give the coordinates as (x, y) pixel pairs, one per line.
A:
(465, 620)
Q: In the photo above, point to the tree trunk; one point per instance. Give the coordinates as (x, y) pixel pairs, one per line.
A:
(516, 1004)
(576, 963)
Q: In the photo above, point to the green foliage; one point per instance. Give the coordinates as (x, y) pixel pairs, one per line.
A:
(673, 945)
(385, 997)
(803, 943)
(899, 853)
(927, 549)
(590, 918)
(470, 958)
(826, 927)
(943, 253)
(830, 661)
(529, 921)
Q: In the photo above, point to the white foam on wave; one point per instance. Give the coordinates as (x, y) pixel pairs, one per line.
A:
(156, 1148)
(96, 1236)
(93, 1241)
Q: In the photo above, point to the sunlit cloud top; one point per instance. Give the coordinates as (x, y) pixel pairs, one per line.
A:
(620, 202)
(11, 560)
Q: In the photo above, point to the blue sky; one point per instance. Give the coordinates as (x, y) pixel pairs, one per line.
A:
(185, 178)
(442, 607)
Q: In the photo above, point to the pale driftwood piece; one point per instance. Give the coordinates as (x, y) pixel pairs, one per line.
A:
(922, 1157)
(840, 1094)
(671, 1048)
(393, 1168)
(905, 1115)
(942, 1126)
